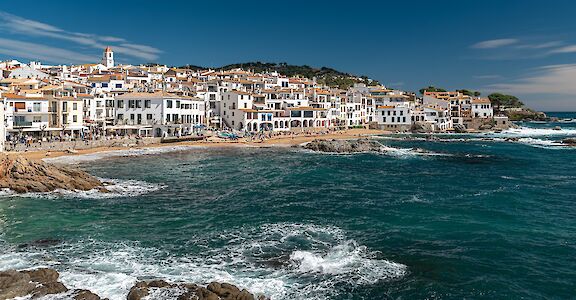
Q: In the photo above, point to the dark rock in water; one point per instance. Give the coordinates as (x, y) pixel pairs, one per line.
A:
(22, 176)
(214, 291)
(41, 243)
(569, 141)
(486, 127)
(344, 146)
(35, 284)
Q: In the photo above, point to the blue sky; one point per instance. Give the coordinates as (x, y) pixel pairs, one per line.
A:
(526, 48)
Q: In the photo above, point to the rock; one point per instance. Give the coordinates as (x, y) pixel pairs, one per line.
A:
(459, 128)
(421, 127)
(557, 128)
(344, 146)
(486, 127)
(214, 291)
(23, 176)
(569, 141)
(42, 275)
(35, 284)
(41, 243)
(15, 284)
(85, 295)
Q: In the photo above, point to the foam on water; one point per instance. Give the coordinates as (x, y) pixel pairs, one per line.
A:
(117, 189)
(282, 261)
(528, 131)
(75, 159)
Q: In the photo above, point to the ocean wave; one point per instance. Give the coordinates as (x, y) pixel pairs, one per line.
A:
(75, 159)
(528, 131)
(281, 261)
(117, 188)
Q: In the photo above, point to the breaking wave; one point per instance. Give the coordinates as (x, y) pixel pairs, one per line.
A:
(281, 261)
(75, 159)
(117, 188)
(527, 131)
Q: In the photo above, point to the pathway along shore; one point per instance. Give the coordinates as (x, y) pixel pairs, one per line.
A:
(281, 140)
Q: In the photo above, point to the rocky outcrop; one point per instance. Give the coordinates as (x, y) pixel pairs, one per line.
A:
(188, 291)
(569, 141)
(344, 146)
(422, 127)
(37, 283)
(22, 176)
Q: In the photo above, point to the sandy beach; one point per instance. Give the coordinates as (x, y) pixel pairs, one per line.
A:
(281, 140)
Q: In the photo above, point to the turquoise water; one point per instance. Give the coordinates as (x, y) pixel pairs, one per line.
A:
(474, 217)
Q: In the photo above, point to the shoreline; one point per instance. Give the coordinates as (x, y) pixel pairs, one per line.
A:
(277, 141)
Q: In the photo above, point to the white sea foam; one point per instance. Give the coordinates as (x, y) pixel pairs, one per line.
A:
(117, 188)
(348, 259)
(75, 159)
(528, 131)
(282, 261)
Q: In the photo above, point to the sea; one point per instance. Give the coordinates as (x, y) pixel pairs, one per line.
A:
(449, 216)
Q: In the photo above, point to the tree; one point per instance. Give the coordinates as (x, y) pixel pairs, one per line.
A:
(431, 89)
(477, 94)
(499, 100)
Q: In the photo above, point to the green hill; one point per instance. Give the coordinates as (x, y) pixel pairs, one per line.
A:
(323, 75)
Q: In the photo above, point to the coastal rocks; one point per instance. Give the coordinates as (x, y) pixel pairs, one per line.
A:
(569, 141)
(344, 146)
(187, 291)
(421, 127)
(37, 283)
(459, 128)
(22, 176)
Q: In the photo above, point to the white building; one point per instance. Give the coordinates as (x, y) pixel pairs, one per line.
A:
(108, 58)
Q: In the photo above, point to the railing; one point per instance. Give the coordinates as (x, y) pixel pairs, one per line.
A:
(22, 124)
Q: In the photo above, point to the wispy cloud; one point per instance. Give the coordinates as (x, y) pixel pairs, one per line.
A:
(566, 49)
(35, 51)
(24, 27)
(543, 45)
(553, 79)
(490, 76)
(491, 44)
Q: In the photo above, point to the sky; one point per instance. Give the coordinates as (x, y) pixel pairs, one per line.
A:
(526, 48)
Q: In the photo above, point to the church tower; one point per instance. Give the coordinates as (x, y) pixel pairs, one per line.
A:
(108, 58)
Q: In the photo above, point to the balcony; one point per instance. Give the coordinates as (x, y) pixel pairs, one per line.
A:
(22, 124)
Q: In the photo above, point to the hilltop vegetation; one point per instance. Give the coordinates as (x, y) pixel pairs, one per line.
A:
(323, 75)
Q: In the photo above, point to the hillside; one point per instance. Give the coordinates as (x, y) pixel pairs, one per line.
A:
(324, 75)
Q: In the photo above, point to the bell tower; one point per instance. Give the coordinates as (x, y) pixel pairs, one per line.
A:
(108, 58)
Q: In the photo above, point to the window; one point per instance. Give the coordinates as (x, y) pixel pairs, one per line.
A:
(149, 116)
(177, 103)
(245, 105)
(138, 103)
(131, 104)
(36, 106)
(132, 117)
(147, 103)
(104, 85)
(120, 104)
(37, 119)
(74, 118)
(120, 117)
(118, 85)
(168, 104)
(74, 107)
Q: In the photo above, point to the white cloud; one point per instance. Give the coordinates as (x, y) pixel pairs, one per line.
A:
(540, 45)
(566, 49)
(21, 26)
(41, 52)
(487, 76)
(491, 44)
(554, 79)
